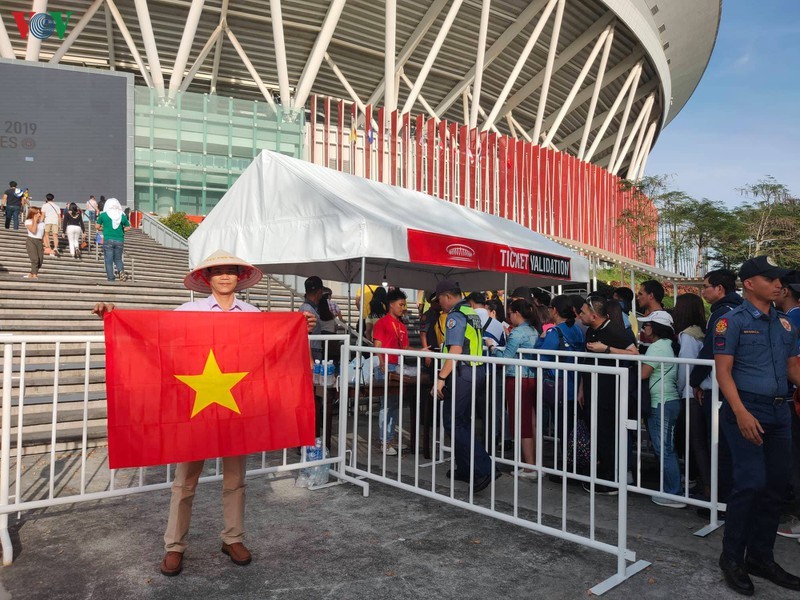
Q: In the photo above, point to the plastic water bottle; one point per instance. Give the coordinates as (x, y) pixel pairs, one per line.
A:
(314, 476)
(317, 372)
(331, 371)
(323, 370)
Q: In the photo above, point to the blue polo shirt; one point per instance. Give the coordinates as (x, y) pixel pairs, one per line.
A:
(761, 345)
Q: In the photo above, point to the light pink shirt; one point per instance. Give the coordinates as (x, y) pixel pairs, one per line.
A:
(210, 305)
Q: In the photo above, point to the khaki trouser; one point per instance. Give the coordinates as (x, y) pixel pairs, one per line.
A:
(180, 507)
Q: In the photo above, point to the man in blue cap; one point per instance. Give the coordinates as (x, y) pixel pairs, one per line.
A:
(756, 354)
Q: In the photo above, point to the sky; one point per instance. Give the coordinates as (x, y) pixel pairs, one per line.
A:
(743, 120)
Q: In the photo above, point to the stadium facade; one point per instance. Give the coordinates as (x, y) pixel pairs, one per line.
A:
(536, 110)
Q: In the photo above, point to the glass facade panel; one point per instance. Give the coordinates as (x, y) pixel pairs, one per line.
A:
(189, 154)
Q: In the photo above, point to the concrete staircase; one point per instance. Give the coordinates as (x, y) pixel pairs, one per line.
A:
(60, 302)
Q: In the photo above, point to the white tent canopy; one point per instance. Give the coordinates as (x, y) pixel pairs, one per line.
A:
(290, 216)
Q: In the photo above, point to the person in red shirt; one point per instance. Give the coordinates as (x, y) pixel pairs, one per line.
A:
(390, 332)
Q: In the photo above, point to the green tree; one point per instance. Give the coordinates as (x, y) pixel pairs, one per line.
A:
(765, 214)
(705, 221)
(639, 221)
(674, 220)
(180, 224)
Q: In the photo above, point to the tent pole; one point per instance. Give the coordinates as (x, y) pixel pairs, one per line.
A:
(505, 291)
(363, 301)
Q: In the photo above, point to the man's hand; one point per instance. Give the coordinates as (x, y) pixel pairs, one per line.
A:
(102, 308)
(698, 395)
(596, 347)
(750, 427)
(311, 321)
(439, 388)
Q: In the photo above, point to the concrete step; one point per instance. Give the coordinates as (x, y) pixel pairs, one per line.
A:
(68, 437)
(43, 403)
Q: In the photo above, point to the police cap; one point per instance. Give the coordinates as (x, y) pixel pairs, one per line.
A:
(761, 265)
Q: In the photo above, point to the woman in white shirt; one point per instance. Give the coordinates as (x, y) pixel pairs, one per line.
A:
(34, 223)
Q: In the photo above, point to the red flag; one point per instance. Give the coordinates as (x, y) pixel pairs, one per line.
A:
(187, 386)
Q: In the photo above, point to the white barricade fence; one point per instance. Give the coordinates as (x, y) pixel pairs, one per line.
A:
(381, 393)
(48, 376)
(642, 427)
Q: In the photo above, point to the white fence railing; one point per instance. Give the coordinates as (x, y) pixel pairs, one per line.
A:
(662, 364)
(466, 398)
(463, 427)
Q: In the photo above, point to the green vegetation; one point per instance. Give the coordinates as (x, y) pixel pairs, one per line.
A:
(180, 224)
(713, 235)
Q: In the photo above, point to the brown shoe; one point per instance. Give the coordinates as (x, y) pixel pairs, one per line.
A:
(239, 554)
(172, 564)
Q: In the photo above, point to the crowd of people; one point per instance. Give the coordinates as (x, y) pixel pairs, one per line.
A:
(49, 223)
(752, 338)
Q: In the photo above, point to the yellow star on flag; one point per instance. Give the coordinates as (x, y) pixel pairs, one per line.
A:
(213, 386)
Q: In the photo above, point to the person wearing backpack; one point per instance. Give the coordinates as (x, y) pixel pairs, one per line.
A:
(565, 335)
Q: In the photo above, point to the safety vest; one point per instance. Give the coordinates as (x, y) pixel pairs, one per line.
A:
(473, 332)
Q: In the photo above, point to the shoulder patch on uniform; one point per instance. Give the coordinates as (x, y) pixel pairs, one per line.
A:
(721, 327)
(786, 325)
(451, 322)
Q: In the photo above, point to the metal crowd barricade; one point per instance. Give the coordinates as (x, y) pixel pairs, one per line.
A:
(375, 390)
(712, 504)
(19, 494)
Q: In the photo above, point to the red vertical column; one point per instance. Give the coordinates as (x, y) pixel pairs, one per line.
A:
(566, 198)
(393, 149)
(534, 178)
(492, 168)
(502, 174)
(524, 183)
(511, 171)
(441, 151)
(313, 130)
(326, 132)
(339, 134)
(369, 137)
(519, 178)
(453, 158)
(483, 170)
(353, 137)
(558, 201)
(430, 157)
(462, 165)
(419, 151)
(381, 135)
(406, 153)
(472, 136)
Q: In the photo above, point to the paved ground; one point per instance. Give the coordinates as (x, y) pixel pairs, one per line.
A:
(333, 543)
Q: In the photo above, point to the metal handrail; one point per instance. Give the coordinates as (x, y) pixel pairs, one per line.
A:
(162, 234)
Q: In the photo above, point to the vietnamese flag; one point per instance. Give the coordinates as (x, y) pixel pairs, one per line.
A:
(186, 386)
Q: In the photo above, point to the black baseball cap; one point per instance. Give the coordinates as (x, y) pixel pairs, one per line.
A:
(792, 280)
(446, 285)
(761, 265)
(522, 292)
(477, 298)
(313, 284)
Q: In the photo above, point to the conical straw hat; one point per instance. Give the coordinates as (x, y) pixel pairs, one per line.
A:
(198, 278)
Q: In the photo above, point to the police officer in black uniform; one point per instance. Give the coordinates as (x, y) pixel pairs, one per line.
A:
(756, 351)
(463, 335)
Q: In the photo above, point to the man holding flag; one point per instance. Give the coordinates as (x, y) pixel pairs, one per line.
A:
(129, 445)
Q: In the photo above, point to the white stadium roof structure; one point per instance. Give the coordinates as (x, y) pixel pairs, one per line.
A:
(652, 53)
